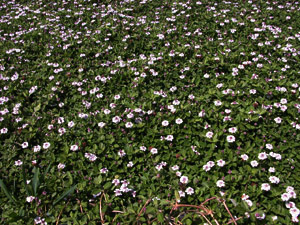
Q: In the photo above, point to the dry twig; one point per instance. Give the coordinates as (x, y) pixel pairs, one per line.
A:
(141, 211)
(57, 220)
(100, 209)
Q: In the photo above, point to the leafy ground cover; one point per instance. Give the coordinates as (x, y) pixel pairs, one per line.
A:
(149, 112)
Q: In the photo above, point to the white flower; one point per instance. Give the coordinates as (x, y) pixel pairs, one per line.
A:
(25, 145)
(285, 197)
(18, 163)
(46, 145)
(30, 199)
(272, 170)
(254, 163)
(116, 119)
(178, 173)
(269, 146)
(121, 153)
(174, 168)
(209, 134)
(230, 138)
(244, 157)
(189, 191)
(217, 103)
(220, 162)
(232, 130)
(265, 187)
(37, 148)
(277, 120)
(159, 167)
(201, 114)
(128, 125)
(184, 179)
(295, 220)
(181, 193)
(179, 121)
(74, 148)
(289, 188)
(274, 218)
(262, 156)
(283, 101)
(4, 130)
(220, 183)
(290, 205)
(71, 124)
(245, 197)
(206, 168)
(101, 124)
(249, 202)
(104, 170)
(60, 120)
(116, 182)
(165, 123)
(153, 151)
(143, 148)
(61, 166)
(106, 111)
(169, 137)
(90, 156)
(294, 212)
(274, 180)
(130, 164)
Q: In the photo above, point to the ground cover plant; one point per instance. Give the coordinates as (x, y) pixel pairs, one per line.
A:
(149, 112)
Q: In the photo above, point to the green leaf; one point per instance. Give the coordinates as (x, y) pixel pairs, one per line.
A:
(98, 180)
(36, 181)
(177, 196)
(160, 217)
(65, 194)
(107, 185)
(7, 193)
(37, 108)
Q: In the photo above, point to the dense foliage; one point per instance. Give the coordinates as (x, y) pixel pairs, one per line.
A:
(128, 111)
